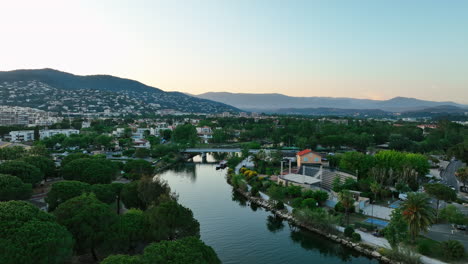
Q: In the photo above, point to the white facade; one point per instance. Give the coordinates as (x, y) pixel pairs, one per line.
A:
(52, 132)
(23, 135)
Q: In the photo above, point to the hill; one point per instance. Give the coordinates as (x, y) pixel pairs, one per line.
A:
(270, 102)
(57, 91)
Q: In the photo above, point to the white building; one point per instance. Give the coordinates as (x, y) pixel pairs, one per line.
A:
(52, 132)
(22, 135)
(205, 133)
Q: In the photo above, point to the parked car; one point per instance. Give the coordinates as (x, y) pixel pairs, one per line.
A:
(461, 227)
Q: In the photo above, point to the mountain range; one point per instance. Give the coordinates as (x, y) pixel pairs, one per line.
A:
(57, 91)
(278, 103)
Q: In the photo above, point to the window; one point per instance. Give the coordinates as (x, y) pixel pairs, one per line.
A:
(316, 159)
(306, 159)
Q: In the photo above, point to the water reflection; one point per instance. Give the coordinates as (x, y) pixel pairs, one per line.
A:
(274, 223)
(186, 170)
(239, 198)
(309, 241)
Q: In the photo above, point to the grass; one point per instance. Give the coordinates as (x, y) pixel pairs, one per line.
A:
(433, 249)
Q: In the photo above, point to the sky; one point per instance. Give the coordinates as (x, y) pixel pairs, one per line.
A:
(340, 48)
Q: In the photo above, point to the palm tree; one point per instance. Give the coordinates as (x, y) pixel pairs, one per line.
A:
(418, 213)
(375, 189)
(347, 201)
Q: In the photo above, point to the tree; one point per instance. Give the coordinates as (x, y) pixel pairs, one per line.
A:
(72, 157)
(375, 189)
(130, 196)
(320, 196)
(26, 172)
(104, 192)
(397, 230)
(310, 203)
(88, 219)
(12, 153)
(453, 215)
(12, 188)
(118, 187)
(170, 220)
(462, 175)
(130, 229)
(103, 141)
(44, 164)
(418, 213)
(139, 168)
(440, 192)
(63, 191)
(90, 170)
(29, 235)
(347, 201)
(122, 259)
(185, 135)
(142, 153)
(186, 250)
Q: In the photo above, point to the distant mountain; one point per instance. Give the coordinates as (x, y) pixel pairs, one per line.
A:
(57, 91)
(325, 111)
(269, 102)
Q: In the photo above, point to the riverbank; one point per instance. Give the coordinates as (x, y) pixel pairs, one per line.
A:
(365, 249)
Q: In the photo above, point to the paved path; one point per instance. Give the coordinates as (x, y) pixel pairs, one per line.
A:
(443, 232)
(448, 175)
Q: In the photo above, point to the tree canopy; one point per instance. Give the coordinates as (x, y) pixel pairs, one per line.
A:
(90, 170)
(29, 235)
(26, 172)
(12, 188)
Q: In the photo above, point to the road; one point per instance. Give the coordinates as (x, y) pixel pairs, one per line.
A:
(448, 175)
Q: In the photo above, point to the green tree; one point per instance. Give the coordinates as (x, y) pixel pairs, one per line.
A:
(12, 153)
(138, 168)
(347, 201)
(12, 188)
(462, 175)
(453, 215)
(118, 187)
(320, 196)
(29, 235)
(170, 220)
(440, 192)
(310, 203)
(44, 164)
(90, 170)
(186, 250)
(103, 141)
(142, 153)
(63, 191)
(418, 213)
(74, 156)
(130, 229)
(104, 192)
(122, 259)
(26, 172)
(88, 219)
(185, 135)
(397, 230)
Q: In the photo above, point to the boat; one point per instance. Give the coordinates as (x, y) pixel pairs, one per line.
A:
(221, 165)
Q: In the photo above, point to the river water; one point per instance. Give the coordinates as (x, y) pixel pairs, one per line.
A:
(240, 232)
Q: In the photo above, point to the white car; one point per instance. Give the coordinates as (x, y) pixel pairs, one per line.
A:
(402, 196)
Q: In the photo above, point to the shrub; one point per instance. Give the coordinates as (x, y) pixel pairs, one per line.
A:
(424, 247)
(309, 203)
(279, 205)
(453, 249)
(254, 191)
(348, 232)
(297, 203)
(341, 209)
(356, 237)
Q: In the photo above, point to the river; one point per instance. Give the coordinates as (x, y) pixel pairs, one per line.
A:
(240, 232)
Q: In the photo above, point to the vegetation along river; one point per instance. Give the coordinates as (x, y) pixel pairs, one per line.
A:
(241, 232)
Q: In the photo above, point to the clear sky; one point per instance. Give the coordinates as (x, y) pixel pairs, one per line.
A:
(342, 48)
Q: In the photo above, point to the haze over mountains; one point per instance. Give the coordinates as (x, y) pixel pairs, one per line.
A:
(281, 103)
(57, 91)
